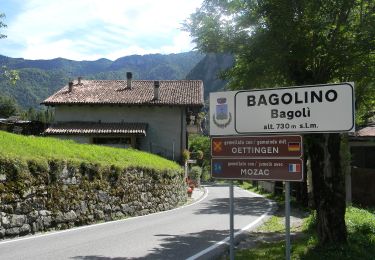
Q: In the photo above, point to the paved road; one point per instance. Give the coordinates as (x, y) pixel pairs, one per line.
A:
(176, 234)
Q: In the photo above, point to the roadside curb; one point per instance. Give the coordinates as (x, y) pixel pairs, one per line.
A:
(199, 193)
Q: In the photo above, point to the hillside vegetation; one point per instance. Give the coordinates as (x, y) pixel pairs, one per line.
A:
(41, 78)
(209, 70)
(360, 226)
(43, 149)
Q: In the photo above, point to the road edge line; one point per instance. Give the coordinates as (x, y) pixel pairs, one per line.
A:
(270, 210)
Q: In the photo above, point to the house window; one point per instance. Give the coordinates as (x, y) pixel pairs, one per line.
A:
(123, 142)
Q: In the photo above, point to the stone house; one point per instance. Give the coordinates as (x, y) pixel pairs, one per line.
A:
(143, 114)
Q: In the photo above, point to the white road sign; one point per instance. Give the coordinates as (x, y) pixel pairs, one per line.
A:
(306, 109)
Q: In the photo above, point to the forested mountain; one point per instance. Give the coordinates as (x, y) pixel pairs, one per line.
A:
(65, 65)
(208, 70)
(41, 78)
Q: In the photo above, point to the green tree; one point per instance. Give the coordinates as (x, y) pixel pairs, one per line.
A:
(11, 75)
(8, 107)
(31, 114)
(200, 148)
(288, 42)
(365, 105)
(2, 25)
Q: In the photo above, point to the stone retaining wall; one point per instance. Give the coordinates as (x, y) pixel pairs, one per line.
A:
(36, 197)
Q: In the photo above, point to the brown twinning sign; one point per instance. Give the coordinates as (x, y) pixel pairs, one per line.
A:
(276, 158)
(257, 169)
(257, 146)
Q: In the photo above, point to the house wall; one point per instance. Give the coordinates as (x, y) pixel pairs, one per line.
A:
(363, 186)
(76, 138)
(166, 132)
(362, 176)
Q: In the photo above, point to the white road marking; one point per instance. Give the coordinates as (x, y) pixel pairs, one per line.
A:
(226, 240)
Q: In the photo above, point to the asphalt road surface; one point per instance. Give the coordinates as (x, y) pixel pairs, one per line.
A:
(193, 232)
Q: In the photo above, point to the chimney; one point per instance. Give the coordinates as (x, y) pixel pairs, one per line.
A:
(79, 80)
(70, 86)
(129, 76)
(156, 90)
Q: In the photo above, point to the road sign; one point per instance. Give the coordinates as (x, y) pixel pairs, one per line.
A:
(257, 146)
(191, 161)
(257, 169)
(305, 109)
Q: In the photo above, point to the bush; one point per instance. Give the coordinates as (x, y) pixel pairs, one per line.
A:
(13, 168)
(206, 174)
(196, 173)
(8, 106)
(200, 144)
(185, 155)
(37, 167)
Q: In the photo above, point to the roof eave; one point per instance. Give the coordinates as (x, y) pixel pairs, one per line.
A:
(120, 104)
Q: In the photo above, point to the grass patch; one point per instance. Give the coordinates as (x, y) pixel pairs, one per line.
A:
(274, 224)
(43, 149)
(266, 251)
(361, 240)
(278, 198)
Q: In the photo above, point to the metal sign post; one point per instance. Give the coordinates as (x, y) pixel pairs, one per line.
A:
(272, 158)
(287, 220)
(231, 221)
(303, 109)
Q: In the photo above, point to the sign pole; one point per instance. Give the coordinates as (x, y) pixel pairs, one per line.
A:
(231, 221)
(287, 220)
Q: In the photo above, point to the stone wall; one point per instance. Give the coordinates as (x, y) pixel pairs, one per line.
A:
(36, 197)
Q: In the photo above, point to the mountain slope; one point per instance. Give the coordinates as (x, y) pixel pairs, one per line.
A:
(80, 67)
(41, 78)
(208, 70)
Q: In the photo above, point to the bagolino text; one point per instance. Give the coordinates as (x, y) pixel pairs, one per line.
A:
(292, 98)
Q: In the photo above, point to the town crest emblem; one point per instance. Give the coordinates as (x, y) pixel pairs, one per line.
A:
(222, 117)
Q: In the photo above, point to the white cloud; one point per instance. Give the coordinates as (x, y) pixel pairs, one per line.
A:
(60, 48)
(181, 42)
(91, 29)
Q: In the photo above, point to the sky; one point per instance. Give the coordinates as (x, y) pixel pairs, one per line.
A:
(94, 29)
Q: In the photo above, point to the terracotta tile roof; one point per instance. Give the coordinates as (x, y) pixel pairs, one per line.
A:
(73, 128)
(172, 92)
